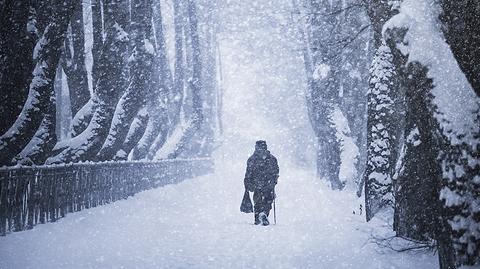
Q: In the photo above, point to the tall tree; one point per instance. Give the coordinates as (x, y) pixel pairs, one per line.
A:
(208, 42)
(179, 65)
(159, 96)
(379, 168)
(461, 162)
(98, 32)
(73, 62)
(323, 32)
(379, 11)
(110, 86)
(140, 128)
(461, 26)
(355, 54)
(202, 141)
(39, 148)
(141, 72)
(83, 116)
(195, 83)
(441, 121)
(40, 97)
(383, 145)
(17, 33)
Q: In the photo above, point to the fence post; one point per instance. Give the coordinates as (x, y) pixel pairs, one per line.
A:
(53, 199)
(3, 203)
(10, 202)
(31, 200)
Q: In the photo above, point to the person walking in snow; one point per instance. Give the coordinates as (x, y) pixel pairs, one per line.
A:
(260, 178)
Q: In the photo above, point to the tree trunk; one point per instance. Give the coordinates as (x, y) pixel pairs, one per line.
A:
(209, 83)
(177, 95)
(324, 89)
(40, 146)
(141, 65)
(15, 68)
(461, 27)
(57, 88)
(83, 117)
(40, 95)
(380, 134)
(109, 87)
(159, 97)
(74, 63)
(462, 32)
(97, 25)
(432, 143)
(156, 129)
(356, 54)
(162, 65)
(135, 133)
(195, 84)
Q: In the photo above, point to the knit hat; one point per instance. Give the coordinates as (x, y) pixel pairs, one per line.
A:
(261, 144)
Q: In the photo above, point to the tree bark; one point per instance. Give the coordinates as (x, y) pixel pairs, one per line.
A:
(177, 95)
(324, 89)
(141, 65)
(209, 82)
(162, 65)
(40, 146)
(379, 11)
(195, 84)
(135, 133)
(156, 129)
(74, 62)
(83, 117)
(462, 32)
(97, 25)
(15, 68)
(110, 86)
(159, 97)
(419, 213)
(380, 133)
(40, 99)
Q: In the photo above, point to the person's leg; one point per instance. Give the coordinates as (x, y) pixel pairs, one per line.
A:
(269, 196)
(265, 208)
(257, 205)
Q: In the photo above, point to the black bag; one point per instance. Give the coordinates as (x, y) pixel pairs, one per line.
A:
(246, 206)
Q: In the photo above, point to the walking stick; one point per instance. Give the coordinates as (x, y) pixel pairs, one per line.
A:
(274, 212)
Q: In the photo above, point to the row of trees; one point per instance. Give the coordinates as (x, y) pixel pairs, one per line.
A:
(335, 51)
(125, 101)
(435, 183)
(422, 125)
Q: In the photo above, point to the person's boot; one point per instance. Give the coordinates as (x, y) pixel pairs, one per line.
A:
(257, 219)
(263, 218)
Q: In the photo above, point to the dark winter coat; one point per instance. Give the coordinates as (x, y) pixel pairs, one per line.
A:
(262, 171)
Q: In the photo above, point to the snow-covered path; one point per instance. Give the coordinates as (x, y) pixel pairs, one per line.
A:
(197, 224)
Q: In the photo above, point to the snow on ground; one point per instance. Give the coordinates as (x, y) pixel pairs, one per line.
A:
(197, 224)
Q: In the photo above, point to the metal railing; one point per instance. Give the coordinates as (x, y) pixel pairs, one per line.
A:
(33, 195)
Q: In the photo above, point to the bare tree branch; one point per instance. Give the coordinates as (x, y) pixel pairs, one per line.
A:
(392, 243)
